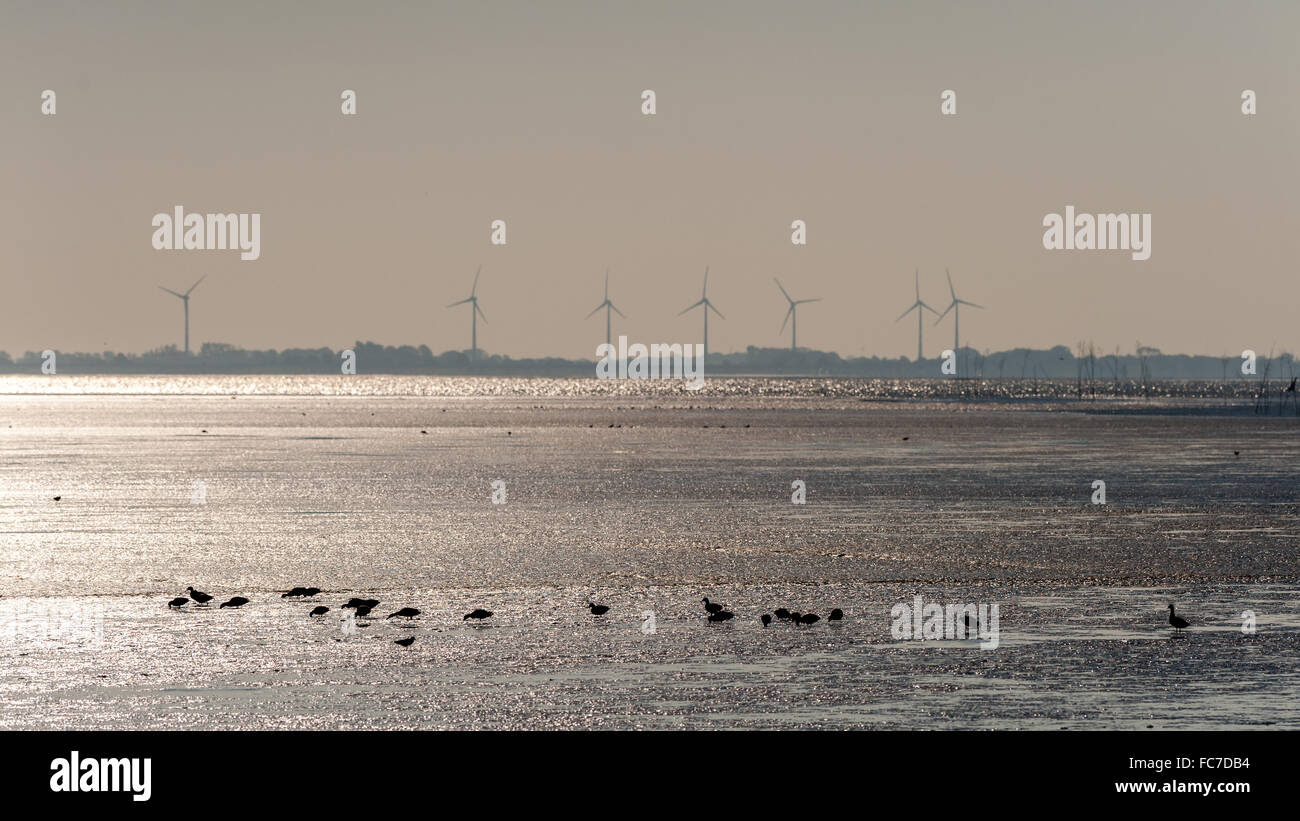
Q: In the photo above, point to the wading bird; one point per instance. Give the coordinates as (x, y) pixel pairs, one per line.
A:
(198, 595)
(597, 609)
(721, 615)
(835, 615)
(1177, 622)
(235, 601)
(408, 612)
(766, 618)
(477, 613)
(319, 610)
(711, 607)
(179, 601)
(406, 642)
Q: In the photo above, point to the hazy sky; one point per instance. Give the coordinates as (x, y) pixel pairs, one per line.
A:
(767, 112)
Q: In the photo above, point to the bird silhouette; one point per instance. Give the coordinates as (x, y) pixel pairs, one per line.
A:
(408, 612)
(58, 498)
(406, 642)
(766, 618)
(836, 615)
(354, 602)
(363, 610)
(179, 601)
(597, 609)
(319, 610)
(1177, 622)
(235, 601)
(477, 613)
(782, 613)
(721, 615)
(711, 607)
(809, 618)
(297, 591)
(198, 595)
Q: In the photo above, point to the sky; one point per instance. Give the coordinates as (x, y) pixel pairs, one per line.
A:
(767, 112)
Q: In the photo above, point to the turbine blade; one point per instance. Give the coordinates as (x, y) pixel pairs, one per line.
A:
(594, 310)
(709, 305)
(905, 313)
(462, 302)
(951, 290)
(972, 304)
(945, 313)
(705, 290)
(783, 293)
(480, 311)
(173, 293)
(474, 290)
(616, 310)
(195, 285)
(802, 301)
(786, 321)
(690, 307)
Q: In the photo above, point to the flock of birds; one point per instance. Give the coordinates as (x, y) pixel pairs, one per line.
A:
(716, 612)
(362, 607)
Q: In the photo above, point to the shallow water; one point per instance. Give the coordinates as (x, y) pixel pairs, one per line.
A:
(983, 502)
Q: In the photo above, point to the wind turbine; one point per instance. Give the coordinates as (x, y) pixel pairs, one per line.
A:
(608, 306)
(790, 315)
(185, 299)
(920, 308)
(474, 314)
(708, 306)
(955, 307)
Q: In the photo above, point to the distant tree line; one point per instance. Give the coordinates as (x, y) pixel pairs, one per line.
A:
(1084, 365)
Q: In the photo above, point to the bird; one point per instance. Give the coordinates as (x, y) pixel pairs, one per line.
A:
(408, 612)
(711, 607)
(355, 602)
(319, 610)
(782, 613)
(1178, 622)
(477, 613)
(311, 591)
(58, 498)
(297, 591)
(809, 618)
(179, 601)
(363, 610)
(721, 615)
(766, 618)
(835, 615)
(406, 642)
(198, 595)
(597, 609)
(235, 601)
(794, 617)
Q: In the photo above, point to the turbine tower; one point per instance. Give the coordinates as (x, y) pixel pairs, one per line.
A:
(708, 306)
(608, 306)
(955, 307)
(791, 316)
(920, 308)
(474, 314)
(185, 299)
